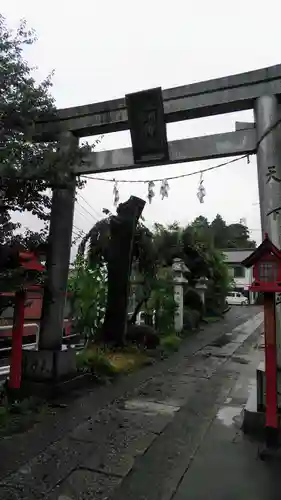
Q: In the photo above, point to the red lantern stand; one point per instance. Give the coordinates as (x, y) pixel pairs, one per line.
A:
(14, 382)
(28, 262)
(266, 262)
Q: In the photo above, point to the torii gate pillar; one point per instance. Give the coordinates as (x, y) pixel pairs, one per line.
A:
(50, 363)
(266, 111)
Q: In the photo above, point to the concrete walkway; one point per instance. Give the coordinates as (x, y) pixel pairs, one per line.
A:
(167, 436)
(227, 463)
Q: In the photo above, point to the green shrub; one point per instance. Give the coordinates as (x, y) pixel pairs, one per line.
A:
(143, 336)
(88, 287)
(19, 416)
(162, 301)
(191, 319)
(192, 300)
(170, 343)
(211, 319)
(4, 414)
(94, 362)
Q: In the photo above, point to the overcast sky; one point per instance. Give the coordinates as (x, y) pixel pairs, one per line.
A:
(101, 50)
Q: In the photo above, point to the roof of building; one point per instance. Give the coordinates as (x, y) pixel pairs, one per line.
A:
(235, 255)
(265, 248)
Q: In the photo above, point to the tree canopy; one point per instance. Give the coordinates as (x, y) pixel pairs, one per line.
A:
(230, 236)
(155, 250)
(22, 100)
(198, 244)
(219, 234)
(27, 168)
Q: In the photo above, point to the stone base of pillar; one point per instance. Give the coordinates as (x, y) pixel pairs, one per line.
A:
(43, 371)
(253, 421)
(254, 411)
(261, 387)
(47, 365)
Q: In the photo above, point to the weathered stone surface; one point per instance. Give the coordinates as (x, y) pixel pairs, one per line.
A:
(169, 456)
(148, 421)
(231, 470)
(199, 366)
(96, 428)
(42, 473)
(47, 365)
(150, 407)
(172, 389)
(158, 472)
(124, 435)
(85, 485)
(117, 454)
(21, 448)
(225, 351)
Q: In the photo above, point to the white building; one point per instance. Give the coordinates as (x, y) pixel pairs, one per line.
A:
(242, 277)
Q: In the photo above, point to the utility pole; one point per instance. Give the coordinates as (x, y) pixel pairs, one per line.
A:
(266, 111)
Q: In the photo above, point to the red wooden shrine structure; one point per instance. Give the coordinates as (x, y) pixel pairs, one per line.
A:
(266, 262)
(26, 261)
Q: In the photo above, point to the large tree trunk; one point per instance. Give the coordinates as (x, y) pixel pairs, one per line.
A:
(122, 232)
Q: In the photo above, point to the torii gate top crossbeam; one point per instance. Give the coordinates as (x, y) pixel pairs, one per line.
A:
(197, 100)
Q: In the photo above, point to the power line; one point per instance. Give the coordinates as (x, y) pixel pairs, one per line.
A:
(78, 229)
(90, 206)
(86, 210)
(85, 217)
(76, 233)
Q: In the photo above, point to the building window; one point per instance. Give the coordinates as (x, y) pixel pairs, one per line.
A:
(239, 272)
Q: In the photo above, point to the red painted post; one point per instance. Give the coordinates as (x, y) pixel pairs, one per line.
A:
(16, 354)
(270, 367)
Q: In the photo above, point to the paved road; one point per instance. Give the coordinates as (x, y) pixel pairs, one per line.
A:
(157, 435)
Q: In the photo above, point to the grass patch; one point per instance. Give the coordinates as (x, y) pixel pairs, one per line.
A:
(105, 363)
(170, 343)
(187, 333)
(211, 319)
(126, 362)
(20, 416)
(94, 361)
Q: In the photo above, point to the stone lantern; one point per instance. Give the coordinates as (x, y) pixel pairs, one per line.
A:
(201, 287)
(178, 269)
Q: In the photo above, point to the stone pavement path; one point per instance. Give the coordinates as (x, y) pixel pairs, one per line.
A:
(143, 443)
(227, 464)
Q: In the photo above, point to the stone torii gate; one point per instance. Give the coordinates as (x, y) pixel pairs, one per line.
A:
(258, 90)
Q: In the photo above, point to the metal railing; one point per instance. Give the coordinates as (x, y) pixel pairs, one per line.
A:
(33, 344)
(4, 370)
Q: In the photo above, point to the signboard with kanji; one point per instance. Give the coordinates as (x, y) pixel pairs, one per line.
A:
(147, 126)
